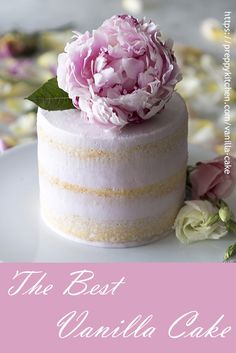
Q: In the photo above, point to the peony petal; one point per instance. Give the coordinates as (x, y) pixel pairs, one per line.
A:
(124, 66)
(132, 67)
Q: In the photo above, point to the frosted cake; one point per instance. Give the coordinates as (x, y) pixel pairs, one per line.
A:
(112, 168)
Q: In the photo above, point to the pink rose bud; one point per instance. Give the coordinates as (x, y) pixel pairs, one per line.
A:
(120, 73)
(209, 180)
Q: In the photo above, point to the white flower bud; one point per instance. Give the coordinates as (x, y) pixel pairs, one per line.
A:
(197, 220)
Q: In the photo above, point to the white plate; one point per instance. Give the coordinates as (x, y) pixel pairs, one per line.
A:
(24, 237)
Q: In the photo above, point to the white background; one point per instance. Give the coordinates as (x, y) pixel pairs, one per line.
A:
(179, 19)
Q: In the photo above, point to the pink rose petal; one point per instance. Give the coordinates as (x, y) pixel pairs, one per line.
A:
(209, 179)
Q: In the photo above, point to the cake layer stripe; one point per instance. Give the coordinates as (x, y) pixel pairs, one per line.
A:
(115, 232)
(162, 146)
(157, 189)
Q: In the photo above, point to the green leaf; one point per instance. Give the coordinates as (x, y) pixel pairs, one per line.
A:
(50, 97)
(231, 251)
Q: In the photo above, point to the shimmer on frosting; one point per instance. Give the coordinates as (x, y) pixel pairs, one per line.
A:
(131, 179)
(122, 72)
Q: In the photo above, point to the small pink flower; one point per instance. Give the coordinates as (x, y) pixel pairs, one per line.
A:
(120, 73)
(208, 179)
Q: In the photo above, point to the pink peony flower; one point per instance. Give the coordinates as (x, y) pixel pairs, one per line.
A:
(209, 180)
(120, 73)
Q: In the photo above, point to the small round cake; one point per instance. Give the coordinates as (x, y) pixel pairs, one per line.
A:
(112, 187)
(112, 136)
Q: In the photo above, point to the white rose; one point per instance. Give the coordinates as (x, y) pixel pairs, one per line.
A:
(195, 222)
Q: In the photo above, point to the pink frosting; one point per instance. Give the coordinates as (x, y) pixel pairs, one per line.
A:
(208, 179)
(120, 73)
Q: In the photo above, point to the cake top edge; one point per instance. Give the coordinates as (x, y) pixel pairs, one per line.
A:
(72, 123)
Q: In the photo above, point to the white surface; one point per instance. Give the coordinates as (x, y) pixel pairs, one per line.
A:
(24, 237)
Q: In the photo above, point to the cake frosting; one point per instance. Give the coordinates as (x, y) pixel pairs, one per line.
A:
(112, 187)
(112, 136)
